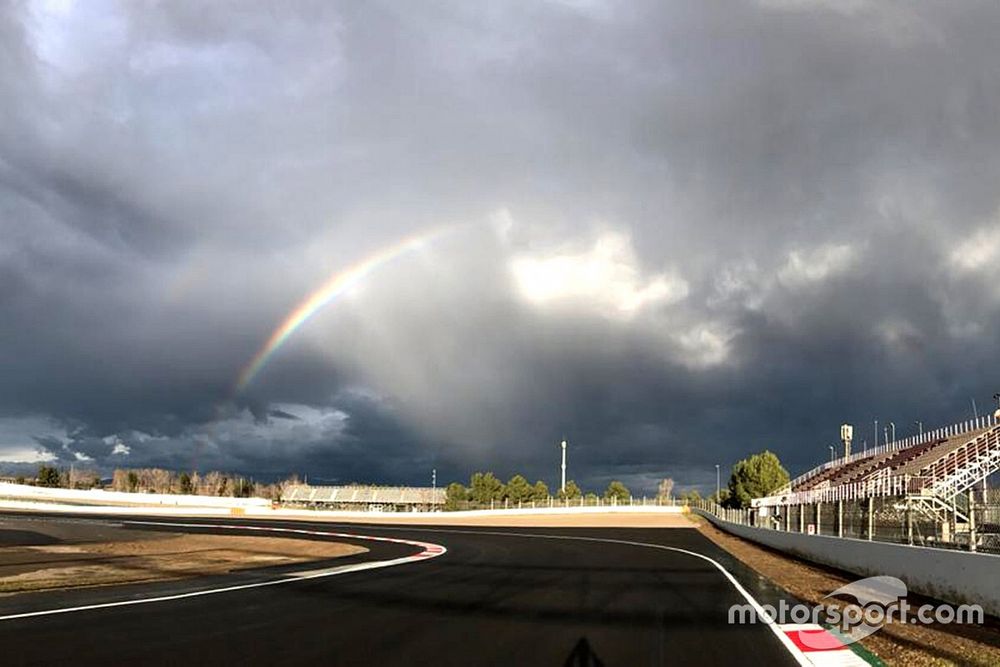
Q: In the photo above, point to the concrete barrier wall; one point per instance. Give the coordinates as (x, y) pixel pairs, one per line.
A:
(264, 510)
(958, 577)
(99, 496)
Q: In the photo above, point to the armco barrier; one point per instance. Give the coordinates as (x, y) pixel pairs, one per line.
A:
(958, 577)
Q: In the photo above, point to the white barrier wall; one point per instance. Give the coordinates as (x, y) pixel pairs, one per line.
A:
(99, 496)
(958, 577)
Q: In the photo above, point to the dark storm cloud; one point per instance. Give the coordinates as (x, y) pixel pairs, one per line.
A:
(686, 232)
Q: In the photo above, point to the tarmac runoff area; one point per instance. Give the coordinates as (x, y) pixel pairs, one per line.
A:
(72, 553)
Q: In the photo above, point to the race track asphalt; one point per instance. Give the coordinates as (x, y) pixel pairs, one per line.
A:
(497, 597)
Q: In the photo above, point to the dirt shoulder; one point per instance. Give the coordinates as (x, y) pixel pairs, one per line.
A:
(40, 561)
(895, 644)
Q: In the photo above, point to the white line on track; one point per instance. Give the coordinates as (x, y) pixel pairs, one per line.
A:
(429, 551)
(794, 650)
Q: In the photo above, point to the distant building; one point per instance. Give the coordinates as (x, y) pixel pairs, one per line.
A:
(365, 498)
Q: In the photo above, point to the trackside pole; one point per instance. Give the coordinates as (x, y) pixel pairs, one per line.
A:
(909, 521)
(972, 520)
(871, 518)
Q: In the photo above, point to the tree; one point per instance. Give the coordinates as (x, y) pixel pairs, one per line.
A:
(690, 497)
(572, 492)
(48, 476)
(617, 491)
(186, 485)
(132, 481)
(213, 484)
(518, 489)
(455, 495)
(755, 477)
(540, 492)
(242, 488)
(720, 498)
(484, 487)
(665, 489)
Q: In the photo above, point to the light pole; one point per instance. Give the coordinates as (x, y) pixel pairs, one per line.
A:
(434, 478)
(718, 485)
(876, 433)
(920, 426)
(831, 453)
(563, 486)
(892, 425)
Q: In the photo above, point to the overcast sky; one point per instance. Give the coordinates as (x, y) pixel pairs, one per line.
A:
(674, 232)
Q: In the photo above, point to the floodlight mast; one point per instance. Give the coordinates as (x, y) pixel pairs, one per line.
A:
(846, 436)
(563, 485)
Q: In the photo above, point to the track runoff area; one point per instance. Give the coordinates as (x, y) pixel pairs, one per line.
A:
(422, 594)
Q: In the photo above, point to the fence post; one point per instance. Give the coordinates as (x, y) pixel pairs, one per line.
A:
(972, 520)
(871, 518)
(840, 518)
(909, 520)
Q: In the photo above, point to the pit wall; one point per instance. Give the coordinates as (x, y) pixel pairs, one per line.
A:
(958, 577)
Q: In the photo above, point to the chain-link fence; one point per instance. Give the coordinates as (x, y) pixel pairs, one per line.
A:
(552, 502)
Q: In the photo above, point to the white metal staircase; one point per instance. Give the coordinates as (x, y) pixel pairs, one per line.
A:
(964, 467)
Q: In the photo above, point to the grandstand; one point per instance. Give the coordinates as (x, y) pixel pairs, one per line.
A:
(926, 487)
(365, 498)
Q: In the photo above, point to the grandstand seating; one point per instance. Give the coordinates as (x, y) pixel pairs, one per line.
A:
(364, 497)
(891, 462)
(942, 462)
(920, 463)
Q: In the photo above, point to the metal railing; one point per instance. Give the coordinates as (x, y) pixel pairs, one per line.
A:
(961, 468)
(553, 502)
(882, 519)
(882, 486)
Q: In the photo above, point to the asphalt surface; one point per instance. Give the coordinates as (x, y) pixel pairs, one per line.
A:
(497, 597)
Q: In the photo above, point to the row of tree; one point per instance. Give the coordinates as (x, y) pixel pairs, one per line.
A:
(753, 477)
(485, 488)
(158, 480)
(74, 478)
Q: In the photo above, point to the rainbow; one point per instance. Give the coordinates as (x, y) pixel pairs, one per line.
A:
(335, 285)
